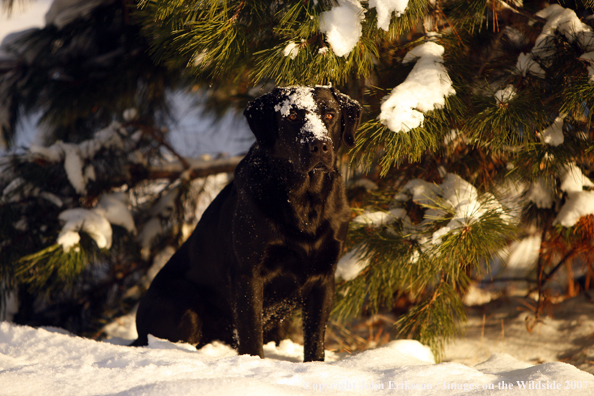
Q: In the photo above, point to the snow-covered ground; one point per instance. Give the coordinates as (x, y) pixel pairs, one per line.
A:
(565, 333)
(43, 362)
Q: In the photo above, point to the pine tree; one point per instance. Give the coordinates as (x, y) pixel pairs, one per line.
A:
(477, 134)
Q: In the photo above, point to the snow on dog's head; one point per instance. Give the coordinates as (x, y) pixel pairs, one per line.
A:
(295, 99)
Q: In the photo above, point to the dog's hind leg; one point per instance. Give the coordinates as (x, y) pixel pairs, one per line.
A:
(171, 310)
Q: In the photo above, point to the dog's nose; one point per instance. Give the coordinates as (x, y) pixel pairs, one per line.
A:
(318, 147)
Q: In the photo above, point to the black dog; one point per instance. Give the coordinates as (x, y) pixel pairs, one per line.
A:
(270, 241)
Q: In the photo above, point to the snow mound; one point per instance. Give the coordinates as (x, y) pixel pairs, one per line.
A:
(39, 362)
(501, 362)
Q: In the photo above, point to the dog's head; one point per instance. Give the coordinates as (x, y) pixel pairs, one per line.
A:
(304, 125)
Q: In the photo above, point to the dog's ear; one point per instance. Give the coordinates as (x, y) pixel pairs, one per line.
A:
(351, 116)
(261, 117)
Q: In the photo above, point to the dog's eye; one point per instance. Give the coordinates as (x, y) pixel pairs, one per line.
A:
(329, 116)
(293, 116)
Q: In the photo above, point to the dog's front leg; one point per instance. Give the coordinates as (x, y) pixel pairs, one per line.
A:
(248, 299)
(316, 312)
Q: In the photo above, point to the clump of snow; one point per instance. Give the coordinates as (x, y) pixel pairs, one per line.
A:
(425, 89)
(463, 199)
(553, 135)
(85, 220)
(385, 8)
(291, 50)
(39, 362)
(579, 202)
(351, 264)
(589, 58)
(564, 21)
(68, 239)
(454, 200)
(421, 192)
(527, 64)
(541, 193)
(23, 17)
(73, 164)
(112, 208)
(315, 126)
(378, 219)
(505, 95)
(342, 25)
(454, 195)
(573, 180)
(476, 296)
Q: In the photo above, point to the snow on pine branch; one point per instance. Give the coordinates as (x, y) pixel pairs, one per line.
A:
(343, 23)
(454, 200)
(342, 26)
(74, 155)
(567, 23)
(425, 89)
(579, 202)
(553, 135)
(385, 8)
(96, 222)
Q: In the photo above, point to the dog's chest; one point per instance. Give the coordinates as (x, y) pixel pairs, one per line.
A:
(306, 213)
(310, 207)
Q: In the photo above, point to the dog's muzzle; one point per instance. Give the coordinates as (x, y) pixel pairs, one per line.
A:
(320, 155)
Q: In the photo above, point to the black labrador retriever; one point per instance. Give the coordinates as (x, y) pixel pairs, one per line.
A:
(270, 241)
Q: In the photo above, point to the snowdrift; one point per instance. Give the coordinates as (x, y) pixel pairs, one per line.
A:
(45, 362)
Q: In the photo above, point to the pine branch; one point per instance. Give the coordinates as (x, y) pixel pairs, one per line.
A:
(197, 168)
